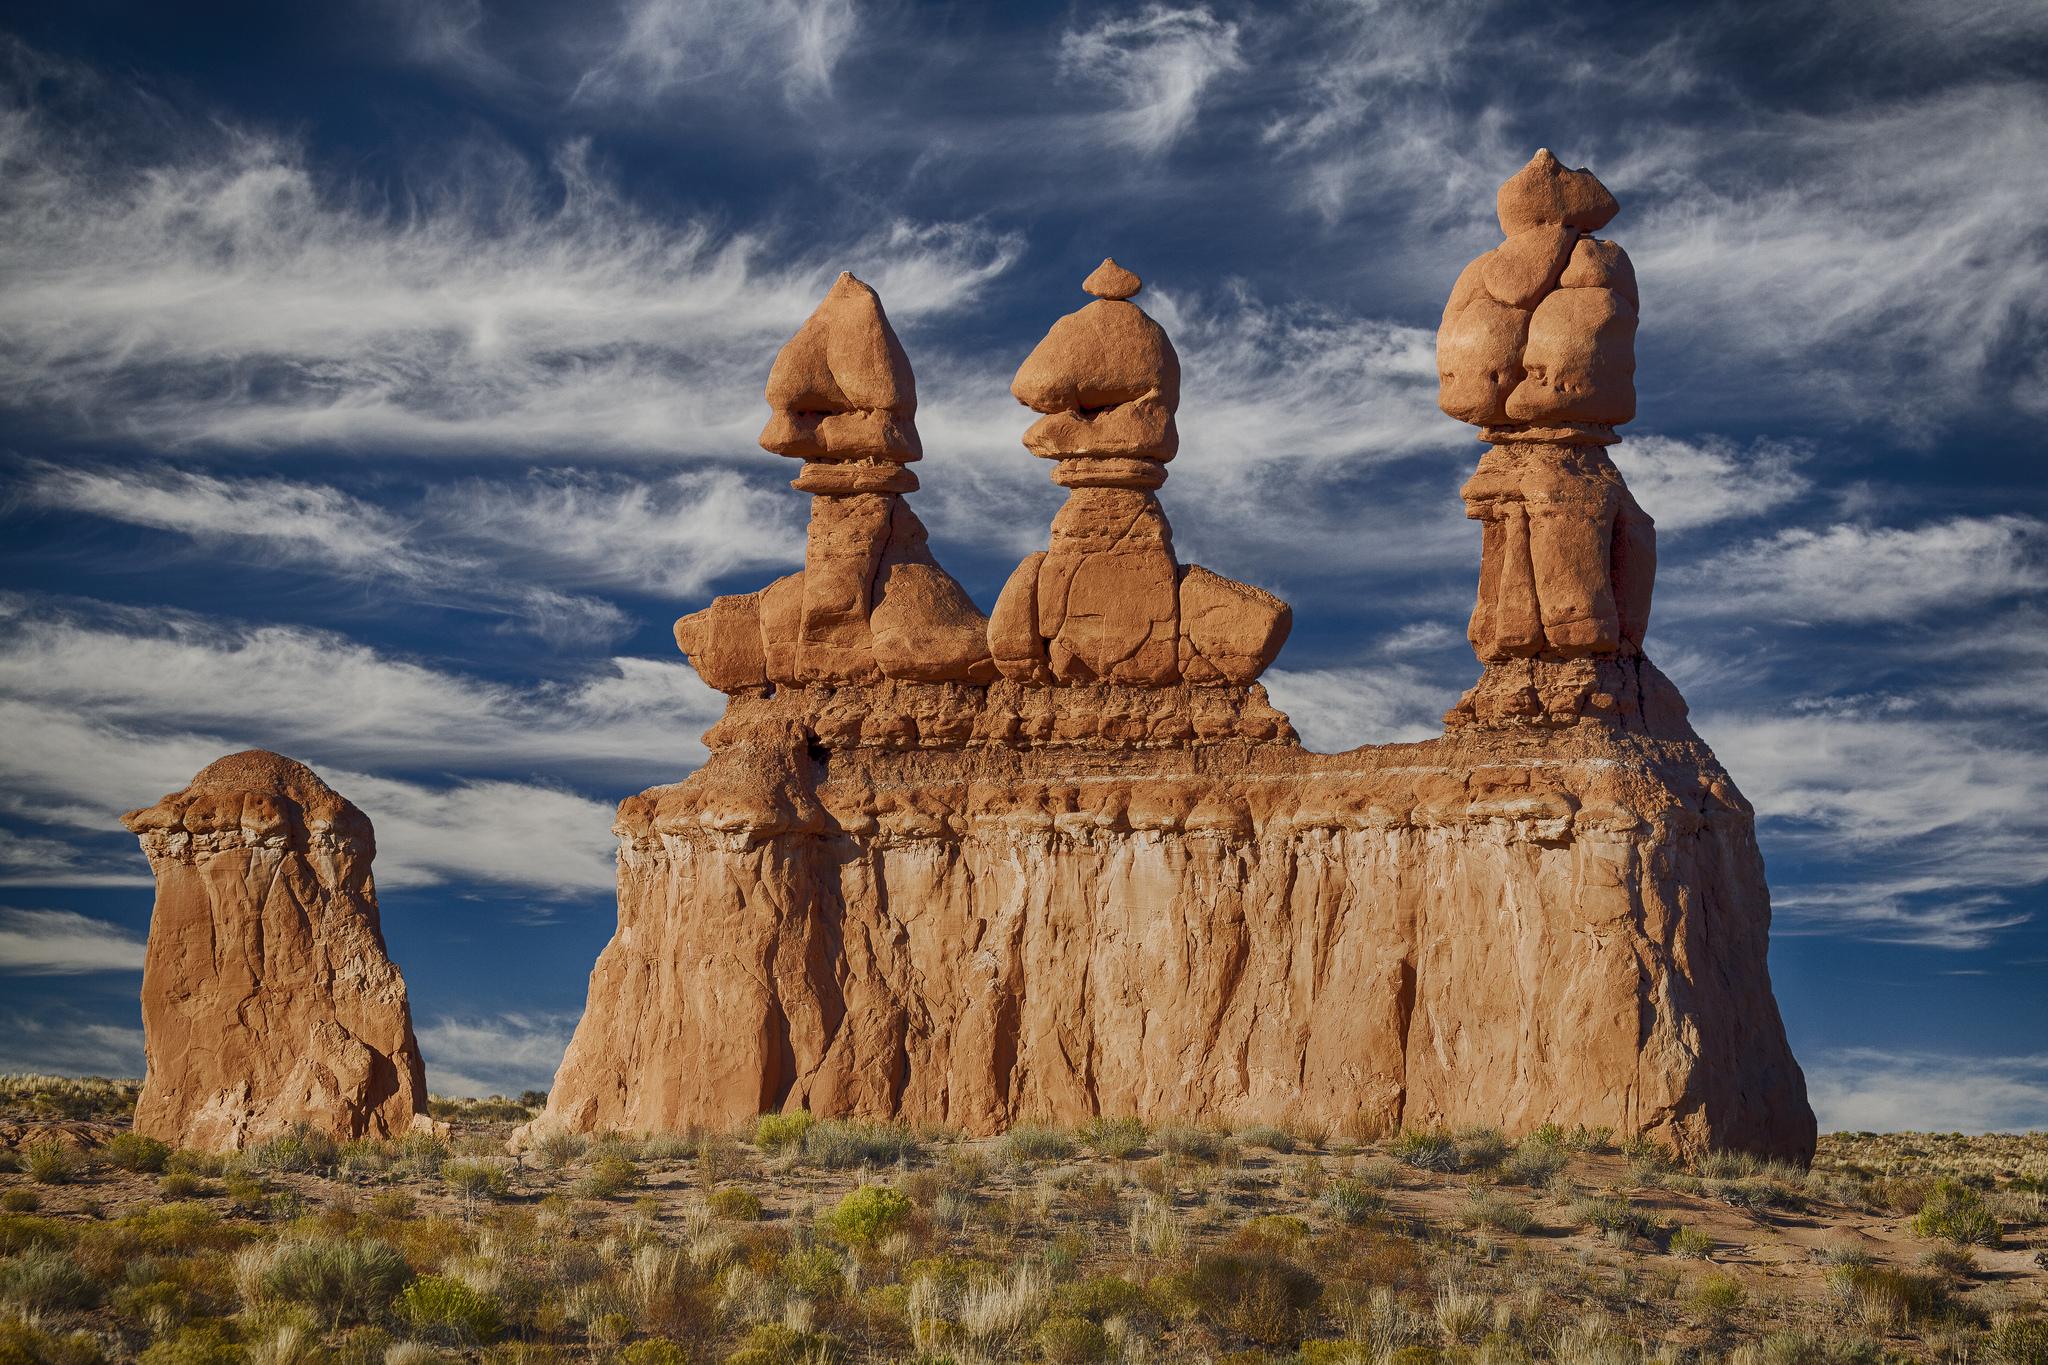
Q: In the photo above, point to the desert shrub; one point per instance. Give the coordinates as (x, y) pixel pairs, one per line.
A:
(392, 1204)
(1259, 1295)
(1492, 1209)
(1461, 1314)
(1350, 1200)
(1033, 1143)
(841, 1146)
(1955, 1213)
(1718, 1294)
(184, 1226)
(1071, 1340)
(24, 1344)
(780, 1132)
(1691, 1243)
(1113, 1138)
(556, 1148)
(20, 1231)
(868, 1214)
(653, 1351)
(198, 1343)
(608, 1178)
(1758, 1193)
(1887, 1299)
(20, 1200)
(740, 1205)
(303, 1149)
(345, 1281)
(475, 1181)
(773, 1343)
(445, 1309)
(1952, 1259)
(2019, 1341)
(1534, 1162)
(1427, 1151)
(43, 1280)
(1615, 1217)
(51, 1162)
(1480, 1149)
(1267, 1136)
(179, 1185)
(132, 1151)
(1180, 1139)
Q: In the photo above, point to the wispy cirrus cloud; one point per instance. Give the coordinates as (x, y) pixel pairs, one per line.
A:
(109, 712)
(1860, 573)
(64, 943)
(661, 46)
(502, 1054)
(214, 289)
(507, 546)
(1155, 65)
(1933, 822)
(1685, 484)
(1873, 1090)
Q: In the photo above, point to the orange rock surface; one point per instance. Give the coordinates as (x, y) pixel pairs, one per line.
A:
(268, 1000)
(1114, 882)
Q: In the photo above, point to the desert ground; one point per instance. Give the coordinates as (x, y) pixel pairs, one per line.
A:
(793, 1240)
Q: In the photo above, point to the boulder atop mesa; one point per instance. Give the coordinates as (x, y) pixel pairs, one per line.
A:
(268, 1000)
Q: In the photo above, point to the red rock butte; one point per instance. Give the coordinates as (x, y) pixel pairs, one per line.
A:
(1067, 860)
(268, 1000)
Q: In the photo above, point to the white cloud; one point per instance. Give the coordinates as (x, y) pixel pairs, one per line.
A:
(57, 1040)
(34, 860)
(503, 546)
(1688, 484)
(1868, 1090)
(64, 943)
(665, 46)
(1857, 573)
(1335, 709)
(499, 1055)
(103, 717)
(1158, 64)
(220, 291)
(1933, 819)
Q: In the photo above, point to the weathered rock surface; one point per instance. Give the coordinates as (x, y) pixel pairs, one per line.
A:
(1115, 883)
(268, 1000)
(1512, 925)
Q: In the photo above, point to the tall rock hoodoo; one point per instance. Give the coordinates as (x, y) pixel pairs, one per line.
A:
(268, 1001)
(1537, 349)
(1106, 601)
(1086, 868)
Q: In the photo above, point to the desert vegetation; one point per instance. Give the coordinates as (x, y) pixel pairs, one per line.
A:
(793, 1239)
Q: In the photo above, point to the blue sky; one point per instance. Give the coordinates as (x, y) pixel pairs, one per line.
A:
(379, 380)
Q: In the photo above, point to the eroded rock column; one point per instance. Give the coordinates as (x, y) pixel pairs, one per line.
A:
(1107, 602)
(268, 1000)
(1537, 349)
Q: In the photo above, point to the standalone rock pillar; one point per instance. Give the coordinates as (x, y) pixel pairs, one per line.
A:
(268, 1000)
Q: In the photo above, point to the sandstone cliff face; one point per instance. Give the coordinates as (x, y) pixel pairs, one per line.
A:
(1563, 926)
(268, 1000)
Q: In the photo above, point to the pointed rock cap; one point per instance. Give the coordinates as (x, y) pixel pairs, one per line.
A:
(841, 388)
(1544, 193)
(1111, 281)
(845, 356)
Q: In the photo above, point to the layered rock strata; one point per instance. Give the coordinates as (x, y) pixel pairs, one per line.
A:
(1115, 883)
(268, 1000)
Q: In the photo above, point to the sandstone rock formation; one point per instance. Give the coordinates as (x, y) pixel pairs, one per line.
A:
(268, 1000)
(1107, 602)
(1537, 349)
(871, 602)
(1113, 882)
